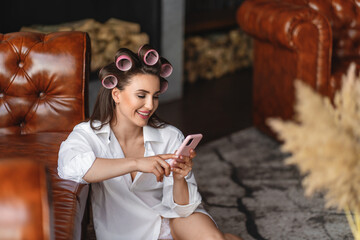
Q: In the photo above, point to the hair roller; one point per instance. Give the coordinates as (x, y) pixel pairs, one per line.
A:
(163, 85)
(166, 68)
(109, 81)
(148, 55)
(123, 63)
(124, 59)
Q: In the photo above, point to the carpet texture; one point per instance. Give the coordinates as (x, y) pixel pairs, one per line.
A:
(250, 192)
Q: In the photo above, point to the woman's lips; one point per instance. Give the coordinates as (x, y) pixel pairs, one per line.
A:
(143, 115)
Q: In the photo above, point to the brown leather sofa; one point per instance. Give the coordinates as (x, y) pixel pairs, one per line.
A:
(24, 201)
(311, 40)
(43, 95)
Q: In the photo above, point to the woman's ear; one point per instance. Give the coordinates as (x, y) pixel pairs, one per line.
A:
(116, 95)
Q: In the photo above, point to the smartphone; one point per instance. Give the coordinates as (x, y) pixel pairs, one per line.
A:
(190, 142)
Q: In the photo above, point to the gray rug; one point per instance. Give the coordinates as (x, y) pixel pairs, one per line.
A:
(250, 192)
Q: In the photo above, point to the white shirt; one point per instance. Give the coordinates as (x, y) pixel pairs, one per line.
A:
(122, 208)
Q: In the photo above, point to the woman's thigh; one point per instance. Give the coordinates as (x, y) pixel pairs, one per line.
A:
(196, 226)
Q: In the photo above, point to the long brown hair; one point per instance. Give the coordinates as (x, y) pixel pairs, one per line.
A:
(104, 109)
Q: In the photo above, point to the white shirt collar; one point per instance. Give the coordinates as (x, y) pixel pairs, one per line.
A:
(150, 134)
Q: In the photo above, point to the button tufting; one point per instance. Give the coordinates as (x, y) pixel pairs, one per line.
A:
(21, 64)
(41, 94)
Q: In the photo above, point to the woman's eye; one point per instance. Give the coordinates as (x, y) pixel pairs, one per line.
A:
(156, 97)
(141, 96)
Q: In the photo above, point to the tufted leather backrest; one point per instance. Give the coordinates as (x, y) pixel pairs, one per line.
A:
(344, 18)
(43, 81)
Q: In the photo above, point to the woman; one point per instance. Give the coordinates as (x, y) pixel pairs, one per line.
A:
(124, 150)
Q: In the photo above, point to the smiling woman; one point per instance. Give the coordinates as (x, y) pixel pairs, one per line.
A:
(124, 151)
(138, 101)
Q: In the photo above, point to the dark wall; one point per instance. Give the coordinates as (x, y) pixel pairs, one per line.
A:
(16, 14)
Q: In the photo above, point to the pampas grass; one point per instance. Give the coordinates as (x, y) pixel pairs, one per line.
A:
(324, 142)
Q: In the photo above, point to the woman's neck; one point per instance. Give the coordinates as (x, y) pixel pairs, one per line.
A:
(126, 132)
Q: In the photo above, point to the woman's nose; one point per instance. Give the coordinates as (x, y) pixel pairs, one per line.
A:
(149, 103)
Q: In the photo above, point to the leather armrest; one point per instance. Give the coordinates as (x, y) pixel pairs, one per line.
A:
(294, 27)
(278, 22)
(24, 200)
(68, 198)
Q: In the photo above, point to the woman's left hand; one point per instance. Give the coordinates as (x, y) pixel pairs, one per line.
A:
(183, 168)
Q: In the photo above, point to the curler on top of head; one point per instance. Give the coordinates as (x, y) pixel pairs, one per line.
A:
(166, 68)
(123, 63)
(123, 59)
(109, 81)
(148, 55)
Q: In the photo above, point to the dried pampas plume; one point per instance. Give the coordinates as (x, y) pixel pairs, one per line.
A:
(324, 142)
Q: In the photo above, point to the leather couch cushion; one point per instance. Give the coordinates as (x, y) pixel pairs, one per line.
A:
(68, 198)
(24, 204)
(42, 81)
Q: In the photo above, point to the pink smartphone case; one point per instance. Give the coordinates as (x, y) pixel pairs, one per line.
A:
(185, 147)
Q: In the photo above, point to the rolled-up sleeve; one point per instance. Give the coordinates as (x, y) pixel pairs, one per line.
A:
(75, 157)
(194, 196)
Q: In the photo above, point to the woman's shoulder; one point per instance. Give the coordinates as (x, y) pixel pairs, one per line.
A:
(86, 126)
(170, 132)
(82, 126)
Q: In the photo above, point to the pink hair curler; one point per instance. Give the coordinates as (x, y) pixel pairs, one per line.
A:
(163, 86)
(109, 82)
(166, 68)
(123, 62)
(149, 55)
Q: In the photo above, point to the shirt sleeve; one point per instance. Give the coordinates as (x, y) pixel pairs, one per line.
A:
(194, 195)
(75, 156)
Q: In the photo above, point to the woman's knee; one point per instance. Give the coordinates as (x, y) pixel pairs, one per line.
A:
(197, 225)
(216, 235)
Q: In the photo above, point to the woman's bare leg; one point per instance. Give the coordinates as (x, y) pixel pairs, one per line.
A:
(197, 226)
(229, 236)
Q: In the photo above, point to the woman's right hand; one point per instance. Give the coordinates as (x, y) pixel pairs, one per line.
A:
(155, 165)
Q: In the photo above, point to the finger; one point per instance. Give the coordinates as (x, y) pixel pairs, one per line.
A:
(157, 174)
(179, 171)
(192, 153)
(160, 170)
(185, 159)
(186, 167)
(168, 156)
(180, 165)
(183, 166)
(190, 163)
(166, 167)
(156, 170)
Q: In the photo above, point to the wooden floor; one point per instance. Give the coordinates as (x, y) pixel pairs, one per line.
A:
(214, 108)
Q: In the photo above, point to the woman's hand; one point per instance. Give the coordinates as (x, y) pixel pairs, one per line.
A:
(155, 165)
(183, 167)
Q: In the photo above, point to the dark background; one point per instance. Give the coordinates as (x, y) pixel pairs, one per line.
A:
(16, 14)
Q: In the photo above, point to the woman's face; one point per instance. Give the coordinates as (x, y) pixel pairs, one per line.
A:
(138, 100)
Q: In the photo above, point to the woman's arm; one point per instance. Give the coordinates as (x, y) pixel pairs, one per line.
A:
(181, 192)
(103, 168)
(106, 168)
(180, 171)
